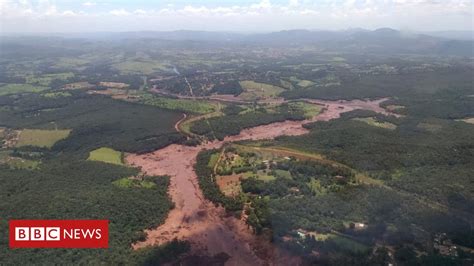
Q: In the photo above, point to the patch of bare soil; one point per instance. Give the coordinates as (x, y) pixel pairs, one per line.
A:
(218, 97)
(208, 228)
(229, 184)
(117, 85)
(9, 137)
(78, 85)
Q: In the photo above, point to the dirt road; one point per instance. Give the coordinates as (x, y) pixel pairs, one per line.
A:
(208, 228)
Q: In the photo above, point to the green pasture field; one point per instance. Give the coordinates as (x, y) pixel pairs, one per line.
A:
(56, 94)
(349, 244)
(431, 127)
(338, 59)
(16, 162)
(213, 159)
(106, 155)
(139, 67)
(309, 110)
(286, 84)
(315, 186)
(41, 137)
(184, 105)
(20, 163)
(78, 85)
(282, 174)
(255, 90)
(45, 80)
(305, 83)
(302, 83)
(70, 63)
(373, 122)
(394, 107)
(133, 183)
(260, 176)
(13, 88)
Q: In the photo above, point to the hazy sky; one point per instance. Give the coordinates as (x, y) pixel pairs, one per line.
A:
(245, 15)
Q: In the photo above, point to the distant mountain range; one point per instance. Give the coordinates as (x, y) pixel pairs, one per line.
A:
(384, 40)
(456, 35)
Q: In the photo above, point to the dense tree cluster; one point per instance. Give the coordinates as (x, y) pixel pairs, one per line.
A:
(67, 186)
(95, 121)
(208, 184)
(219, 127)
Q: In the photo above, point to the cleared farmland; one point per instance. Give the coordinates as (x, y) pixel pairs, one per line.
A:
(20, 88)
(373, 122)
(106, 155)
(41, 138)
(191, 106)
(256, 90)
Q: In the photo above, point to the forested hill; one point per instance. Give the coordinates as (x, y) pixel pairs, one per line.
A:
(385, 41)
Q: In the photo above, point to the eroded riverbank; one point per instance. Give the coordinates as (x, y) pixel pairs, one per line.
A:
(208, 228)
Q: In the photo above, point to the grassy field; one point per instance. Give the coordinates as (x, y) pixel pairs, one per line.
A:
(273, 152)
(309, 110)
(41, 137)
(371, 121)
(302, 83)
(394, 107)
(79, 85)
(229, 185)
(16, 162)
(305, 83)
(338, 59)
(282, 174)
(45, 80)
(70, 62)
(19, 88)
(133, 183)
(349, 244)
(286, 84)
(106, 155)
(20, 163)
(114, 85)
(139, 67)
(260, 176)
(277, 151)
(315, 186)
(255, 90)
(430, 127)
(189, 106)
(213, 160)
(185, 126)
(56, 94)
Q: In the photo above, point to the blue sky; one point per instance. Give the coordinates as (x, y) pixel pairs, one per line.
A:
(233, 15)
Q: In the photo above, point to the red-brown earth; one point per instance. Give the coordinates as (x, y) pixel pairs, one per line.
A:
(208, 228)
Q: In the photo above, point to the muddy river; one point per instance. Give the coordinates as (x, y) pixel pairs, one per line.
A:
(208, 228)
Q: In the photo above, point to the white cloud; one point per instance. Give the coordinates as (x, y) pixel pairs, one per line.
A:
(139, 12)
(119, 12)
(309, 12)
(68, 13)
(264, 4)
(261, 15)
(89, 4)
(293, 3)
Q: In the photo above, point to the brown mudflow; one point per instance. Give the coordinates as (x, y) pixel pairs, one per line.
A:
(208, 228)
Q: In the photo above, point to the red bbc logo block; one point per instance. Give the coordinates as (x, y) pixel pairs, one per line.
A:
(59, 233)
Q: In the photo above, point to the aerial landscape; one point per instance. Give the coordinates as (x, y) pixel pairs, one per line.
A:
(235, 146)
